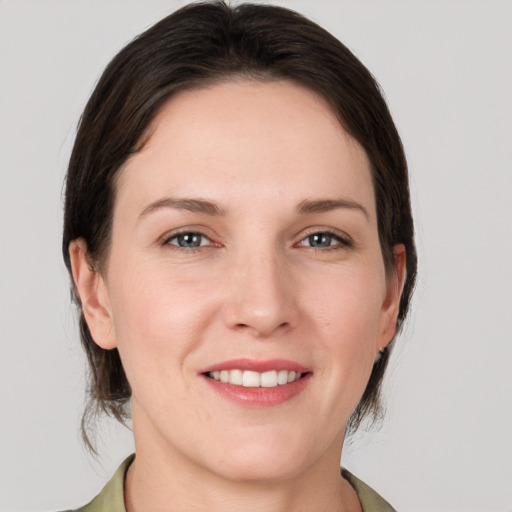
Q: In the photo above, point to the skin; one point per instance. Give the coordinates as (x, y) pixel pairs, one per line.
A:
(254, 288)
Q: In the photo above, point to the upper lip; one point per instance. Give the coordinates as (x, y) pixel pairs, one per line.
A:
(256, 365)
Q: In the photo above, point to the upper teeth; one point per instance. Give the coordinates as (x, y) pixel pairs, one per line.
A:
(252, 379)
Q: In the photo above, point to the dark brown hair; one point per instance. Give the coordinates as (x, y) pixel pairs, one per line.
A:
(205, 43)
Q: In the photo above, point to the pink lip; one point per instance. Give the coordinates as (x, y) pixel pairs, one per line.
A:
(257, 366)
(258, 397)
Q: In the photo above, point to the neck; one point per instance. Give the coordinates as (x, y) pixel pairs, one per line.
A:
(161, 479)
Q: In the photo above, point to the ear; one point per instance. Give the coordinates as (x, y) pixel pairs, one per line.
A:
(93, 295)
(391, 304)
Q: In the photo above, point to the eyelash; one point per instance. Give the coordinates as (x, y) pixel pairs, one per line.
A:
(341, 242)
(175, 236)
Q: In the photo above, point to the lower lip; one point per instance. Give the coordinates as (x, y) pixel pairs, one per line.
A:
(259, 397)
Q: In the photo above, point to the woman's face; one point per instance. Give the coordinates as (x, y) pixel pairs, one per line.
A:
(245, 254)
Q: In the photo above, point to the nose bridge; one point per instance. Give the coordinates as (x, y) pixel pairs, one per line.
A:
(261, 298)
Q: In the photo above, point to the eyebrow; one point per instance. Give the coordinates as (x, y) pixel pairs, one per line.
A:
(192, 205)
(210, 208)
(325, 205)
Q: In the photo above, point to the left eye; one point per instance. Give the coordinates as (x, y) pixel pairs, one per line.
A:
(189, 240)
(322, 240)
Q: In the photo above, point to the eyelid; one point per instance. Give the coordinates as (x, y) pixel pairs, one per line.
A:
(194, 233)
(185, 230)
(345, 240)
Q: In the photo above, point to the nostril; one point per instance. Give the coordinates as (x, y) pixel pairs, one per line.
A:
(260, 316)
(260, 330)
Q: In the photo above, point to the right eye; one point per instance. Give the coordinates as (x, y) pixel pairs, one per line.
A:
(189, 240)
(325, 240)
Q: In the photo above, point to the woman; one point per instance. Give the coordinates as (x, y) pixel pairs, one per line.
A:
(239, 234)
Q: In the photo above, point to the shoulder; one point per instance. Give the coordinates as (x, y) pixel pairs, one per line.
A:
(370, 500)
(111, 498)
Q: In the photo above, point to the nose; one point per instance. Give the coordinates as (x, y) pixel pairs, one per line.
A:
(262, 301)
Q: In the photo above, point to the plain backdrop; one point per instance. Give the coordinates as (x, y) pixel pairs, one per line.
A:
(446, 69)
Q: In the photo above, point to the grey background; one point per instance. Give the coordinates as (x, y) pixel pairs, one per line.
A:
(446, 69)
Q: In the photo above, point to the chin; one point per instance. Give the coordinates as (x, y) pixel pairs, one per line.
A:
(269, 460)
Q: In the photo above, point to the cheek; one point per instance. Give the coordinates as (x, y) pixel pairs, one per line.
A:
(158, 312)
(350, 302)
(347, 314)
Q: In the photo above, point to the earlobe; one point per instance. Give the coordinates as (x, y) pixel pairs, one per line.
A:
(93, 295)
(391, 305)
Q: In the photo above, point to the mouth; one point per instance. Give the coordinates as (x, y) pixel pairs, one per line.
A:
(256, 383)
(254, 379)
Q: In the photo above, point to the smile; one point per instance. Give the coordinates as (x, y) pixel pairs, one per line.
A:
(257, 383)
(253, 379)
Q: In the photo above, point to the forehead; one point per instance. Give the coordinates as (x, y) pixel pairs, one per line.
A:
(245, 135)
